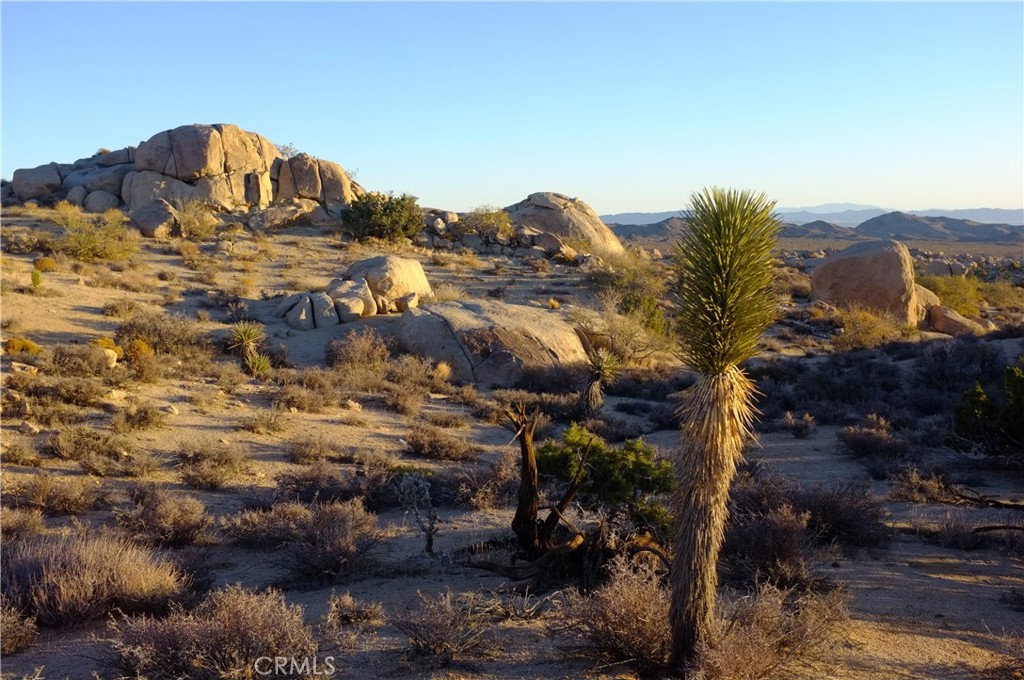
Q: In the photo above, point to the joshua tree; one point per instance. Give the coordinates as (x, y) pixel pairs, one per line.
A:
(724, 303)
(603, 369)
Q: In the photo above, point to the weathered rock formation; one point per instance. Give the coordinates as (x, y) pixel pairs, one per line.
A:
(222, 166)
(950, 322)
(489, 343)
(878, 275)
(566, 218)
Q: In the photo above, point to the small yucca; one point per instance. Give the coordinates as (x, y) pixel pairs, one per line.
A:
(603, 369)
(258, 365)
(247, 337)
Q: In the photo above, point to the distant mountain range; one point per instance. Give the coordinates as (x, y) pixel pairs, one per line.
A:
(897, 225)
(843, 215)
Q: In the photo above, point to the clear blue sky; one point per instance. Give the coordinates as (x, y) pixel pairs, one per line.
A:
(627, 106)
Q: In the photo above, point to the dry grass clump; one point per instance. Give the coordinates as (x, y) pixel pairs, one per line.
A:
(97, 452)
(496, 487)
(404, 400)
(446, 627)
(363, 359)
(272, 528)
(874, 442)
(196, 221)
(626, 619)
(801, 428)
(311, 449)
(17, 632)
(771, 633)
(17, 524)
(436, 444)
(125, 308)
(913, 487)
(165, 334)
(80, 361)
(316, 482)
(137, 415)
(19, 346)
(67, 580)
(53, 495)
(226, 636)
(162, 517)
(266, 421)
(210, 464)
(19, 453)
(865, 329)
(448, 421)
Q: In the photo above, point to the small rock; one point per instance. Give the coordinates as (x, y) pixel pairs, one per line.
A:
(18, 367)
(28, 428)
(350, 405)
(410, 301)
(172, 409)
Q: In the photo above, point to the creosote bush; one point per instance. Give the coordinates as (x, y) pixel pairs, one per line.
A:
(67, 580)
(865, 329)
(435, 443)
(18, 524)
(340, 535)
(53, 495)
(223, 637)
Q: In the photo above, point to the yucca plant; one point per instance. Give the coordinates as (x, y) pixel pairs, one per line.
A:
(603, 369)
(724, 302)
(258, 365)
(247, 337)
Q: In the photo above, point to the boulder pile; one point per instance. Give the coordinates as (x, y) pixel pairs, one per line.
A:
(219, 165)
(378, 285)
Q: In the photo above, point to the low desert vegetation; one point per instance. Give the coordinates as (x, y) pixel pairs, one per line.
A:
(384, 216)
(207, 463)
(196, 221)
(435, 443)
(223, 637)
(445, 628)
(89, 238)
(164, 518)
(67, 580)
(17, 632)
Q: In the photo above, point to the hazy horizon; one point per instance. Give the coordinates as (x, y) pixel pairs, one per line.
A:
(630, 107)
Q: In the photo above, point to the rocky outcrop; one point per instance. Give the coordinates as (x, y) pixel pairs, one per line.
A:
(567, 218)
(878, 275)
(489, 343)
(220, 165)
(926, 299)
(156, 219)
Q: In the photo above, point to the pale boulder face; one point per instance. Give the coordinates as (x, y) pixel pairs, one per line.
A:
(489, 343)
(100, 201)
(877, 275)
(391, 277)
(567, 218)
(926, 299)
(156, 219)
(945, 320)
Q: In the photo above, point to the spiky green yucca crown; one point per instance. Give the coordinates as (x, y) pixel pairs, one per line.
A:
(725, 299)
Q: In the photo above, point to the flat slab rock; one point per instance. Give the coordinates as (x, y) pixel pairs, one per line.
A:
(489, 343)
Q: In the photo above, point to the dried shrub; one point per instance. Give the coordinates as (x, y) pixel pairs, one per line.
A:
(311, 449)
(771, 633)
(55, 495)
(874, 442)
(769, 548)
(802, 428)
(269, 421)
(436, 444)
(341, 535)
(272, 528)
(865, 329)
(19, 453)
(165, 334)
(124, 308)
(495, 487)
(18, 524)
(17, 632)
(209, 464)
(847, 515)
(448, 421)
(226, 636)
(317, 482)
(162, 517)
(196, 221)
(97, 452)
(362, 358)
(80, 361)
(913, 487)
(445, 627)
(401, 399)
(137, 415)
(19, 346)
(627, 618)
(67, 580)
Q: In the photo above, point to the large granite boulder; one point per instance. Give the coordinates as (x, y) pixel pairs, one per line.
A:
(878, 275)
(391, 277)
(40, 182)
(567, 218)
(156, 219)
(489, 343)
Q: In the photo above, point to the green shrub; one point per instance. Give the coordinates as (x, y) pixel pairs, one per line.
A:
(616, 476)
(384, 216)
(18, 345)
(865, 329)
(228, 635)
(88, 238)
(68, 580)
(487, 221)
(959, 293)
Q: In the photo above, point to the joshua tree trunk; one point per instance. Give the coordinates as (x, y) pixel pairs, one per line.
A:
(524, 523)
(710, 449)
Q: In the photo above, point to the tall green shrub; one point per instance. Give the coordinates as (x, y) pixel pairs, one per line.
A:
(384, 216)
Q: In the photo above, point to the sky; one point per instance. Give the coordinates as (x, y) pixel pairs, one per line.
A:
(629, 107)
